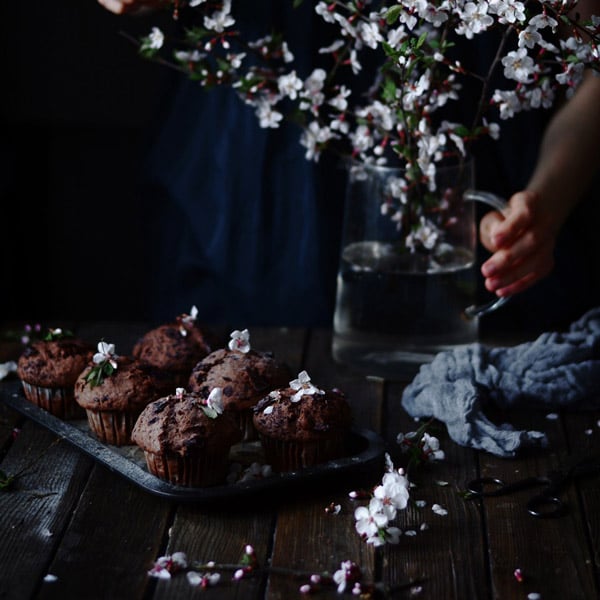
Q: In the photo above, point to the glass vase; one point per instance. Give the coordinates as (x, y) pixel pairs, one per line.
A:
(407, 269)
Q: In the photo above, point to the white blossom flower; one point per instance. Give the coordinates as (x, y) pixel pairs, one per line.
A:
(304, 387)
(215, 400)
(268, 118)
(313, 138)
(518, 65)
(289, 85)
(188, 320)
(167, 565)
(322, 9)
(235, 60)
(240, 341)
(508, 102)
(156, 39)
(348, 573)
(203, 580)
(106, 352)
(334, 47)
(439, 510)
(186, 56)
(425, 234)
(431, 447)
(220, 19)
(474, 19)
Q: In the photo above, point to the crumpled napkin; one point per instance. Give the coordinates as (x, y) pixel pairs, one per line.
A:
(555, 371)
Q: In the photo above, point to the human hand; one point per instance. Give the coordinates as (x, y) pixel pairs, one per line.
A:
(121, 7)
(521, 240)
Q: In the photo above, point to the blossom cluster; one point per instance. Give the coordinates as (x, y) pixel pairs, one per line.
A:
(421, 446)
(373, 522)
(400, 117)
(412, 42)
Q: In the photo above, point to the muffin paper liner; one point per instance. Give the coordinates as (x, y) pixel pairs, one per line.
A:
(112, 427)
(290, 456)
(203, 469)
(59, 402)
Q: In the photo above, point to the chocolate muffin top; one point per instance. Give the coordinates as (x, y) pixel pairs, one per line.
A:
(302, 412)
(129, 387)
(176, 346)
(245, 375)
(54, 362)
(184, 423)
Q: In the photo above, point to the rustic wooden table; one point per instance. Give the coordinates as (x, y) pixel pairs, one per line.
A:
(72, 528)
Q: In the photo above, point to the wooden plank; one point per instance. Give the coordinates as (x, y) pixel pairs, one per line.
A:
(448, 557)
(36, 510)
(583, 432)
(111, 542)
(220, 533)
(308, 537)
(311, 540)
(10, 423)
(551, 554)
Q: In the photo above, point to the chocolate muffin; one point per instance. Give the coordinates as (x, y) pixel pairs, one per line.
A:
(301, 425)
(114, 390)
(48, 370)
(245, 376)
(186, 438)
(175, 347)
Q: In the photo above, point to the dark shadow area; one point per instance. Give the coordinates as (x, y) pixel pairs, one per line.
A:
(76, 109)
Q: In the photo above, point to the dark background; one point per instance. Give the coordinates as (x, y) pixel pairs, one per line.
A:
(77, 107)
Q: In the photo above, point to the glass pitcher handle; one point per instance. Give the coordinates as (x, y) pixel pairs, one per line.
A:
(498, 204)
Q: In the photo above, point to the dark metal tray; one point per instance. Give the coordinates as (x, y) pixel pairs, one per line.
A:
(365, 454)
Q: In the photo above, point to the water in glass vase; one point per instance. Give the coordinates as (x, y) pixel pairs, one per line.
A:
(396, 310)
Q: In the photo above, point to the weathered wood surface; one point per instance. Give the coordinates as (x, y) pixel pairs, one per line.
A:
(99, 534)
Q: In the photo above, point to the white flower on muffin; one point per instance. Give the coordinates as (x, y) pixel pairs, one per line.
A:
(106, 353)
(56, 334)
(240, 341)
(303, 387)
(215, 400)
(186, 321)
(105, 364)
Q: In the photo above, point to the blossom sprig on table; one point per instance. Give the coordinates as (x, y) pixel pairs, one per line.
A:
(374, 521)
(397, 118)
(420, 446)
(347, 578)
(204, 574)
(105, 364)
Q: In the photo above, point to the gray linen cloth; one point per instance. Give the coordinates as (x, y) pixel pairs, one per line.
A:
(559, 370)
